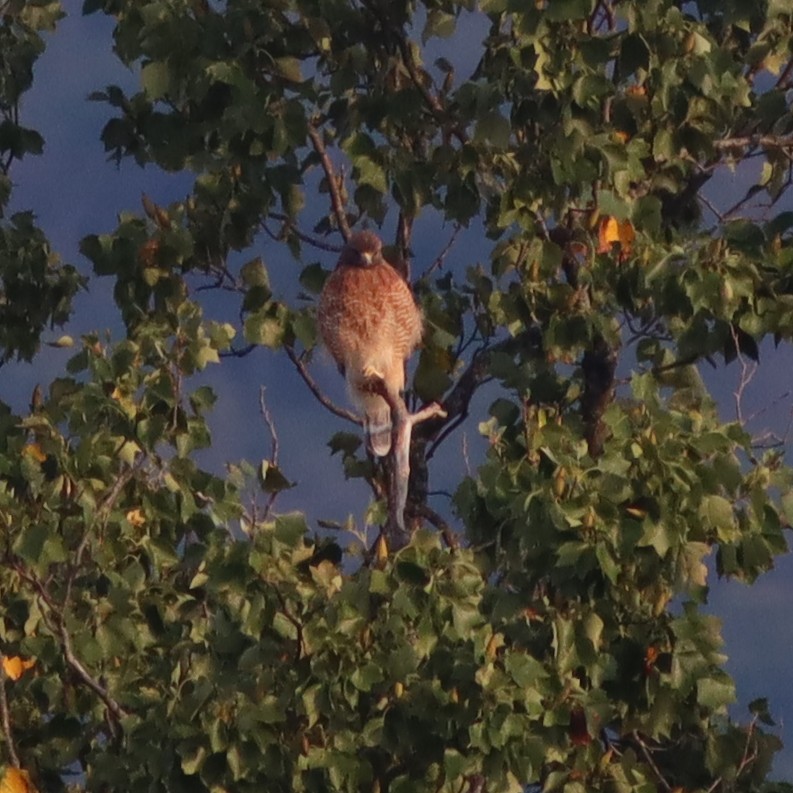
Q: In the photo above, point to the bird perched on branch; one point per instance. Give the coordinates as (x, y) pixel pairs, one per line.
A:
(371, 324)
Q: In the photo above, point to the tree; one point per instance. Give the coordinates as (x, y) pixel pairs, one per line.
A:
(164, 630)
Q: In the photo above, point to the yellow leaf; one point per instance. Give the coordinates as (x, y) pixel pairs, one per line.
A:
(34, 450)
(63, 341)
(136, 517)
(15, 667)
(493, 644)
(381, 551)
(15, 780)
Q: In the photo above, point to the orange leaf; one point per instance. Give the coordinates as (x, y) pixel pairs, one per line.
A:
(15, 667)
(614, 231)
(34, 450)
(15, 780)
(136, 517)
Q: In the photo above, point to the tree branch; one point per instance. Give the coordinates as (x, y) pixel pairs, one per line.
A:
(76, 665)
(301, 235)
(752, 141)
(274, 446)
(315, 390)
(449, 535)
(55, 622)
(432, 101)
(13, 756)
(333, 186)
(649, 760)
(441, 257)
(402, 423)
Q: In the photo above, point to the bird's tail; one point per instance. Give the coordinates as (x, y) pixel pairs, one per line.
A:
(377, 426)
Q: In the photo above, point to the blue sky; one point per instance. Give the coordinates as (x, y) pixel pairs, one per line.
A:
(74, 191)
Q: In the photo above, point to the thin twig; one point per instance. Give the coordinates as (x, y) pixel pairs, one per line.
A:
(298, 626)
(432, 101)
(748, 373)
(748, 756)
(315, 389)
(333, 186)
(56, 623)
(301, 235)
(466, 457)
(709, 205)
(74, 662)
(404, 233)
(441, 257)
(268, 420)
(649, 760)
(274, 447)
(13, 756)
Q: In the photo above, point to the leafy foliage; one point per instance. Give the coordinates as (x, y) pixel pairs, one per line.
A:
(164, 634)
(35, 288)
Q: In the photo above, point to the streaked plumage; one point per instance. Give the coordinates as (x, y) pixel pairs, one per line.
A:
(370, 324)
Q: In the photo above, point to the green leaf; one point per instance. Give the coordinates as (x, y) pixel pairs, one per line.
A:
(439, 23)
(609, 204)
(717, 513)
(291, 528)
(155, 77)
(313, 277)
(524, 669)
(565, 10)
(716, 692)
(494, 130)
(272, 479)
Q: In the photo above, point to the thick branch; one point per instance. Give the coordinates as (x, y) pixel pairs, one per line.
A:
(752, 141)
(333, 186)
(402, 423)
(13, 756)
(446, 531)
(598, 365)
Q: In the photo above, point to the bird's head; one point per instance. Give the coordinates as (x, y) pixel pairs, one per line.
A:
(363, 249)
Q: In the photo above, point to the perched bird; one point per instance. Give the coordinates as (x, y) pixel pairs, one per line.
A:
(370, 324)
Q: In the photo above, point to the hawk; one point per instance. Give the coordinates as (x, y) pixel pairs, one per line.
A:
(370, 324)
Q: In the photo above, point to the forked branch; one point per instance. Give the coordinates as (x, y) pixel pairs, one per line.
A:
(402, 423)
